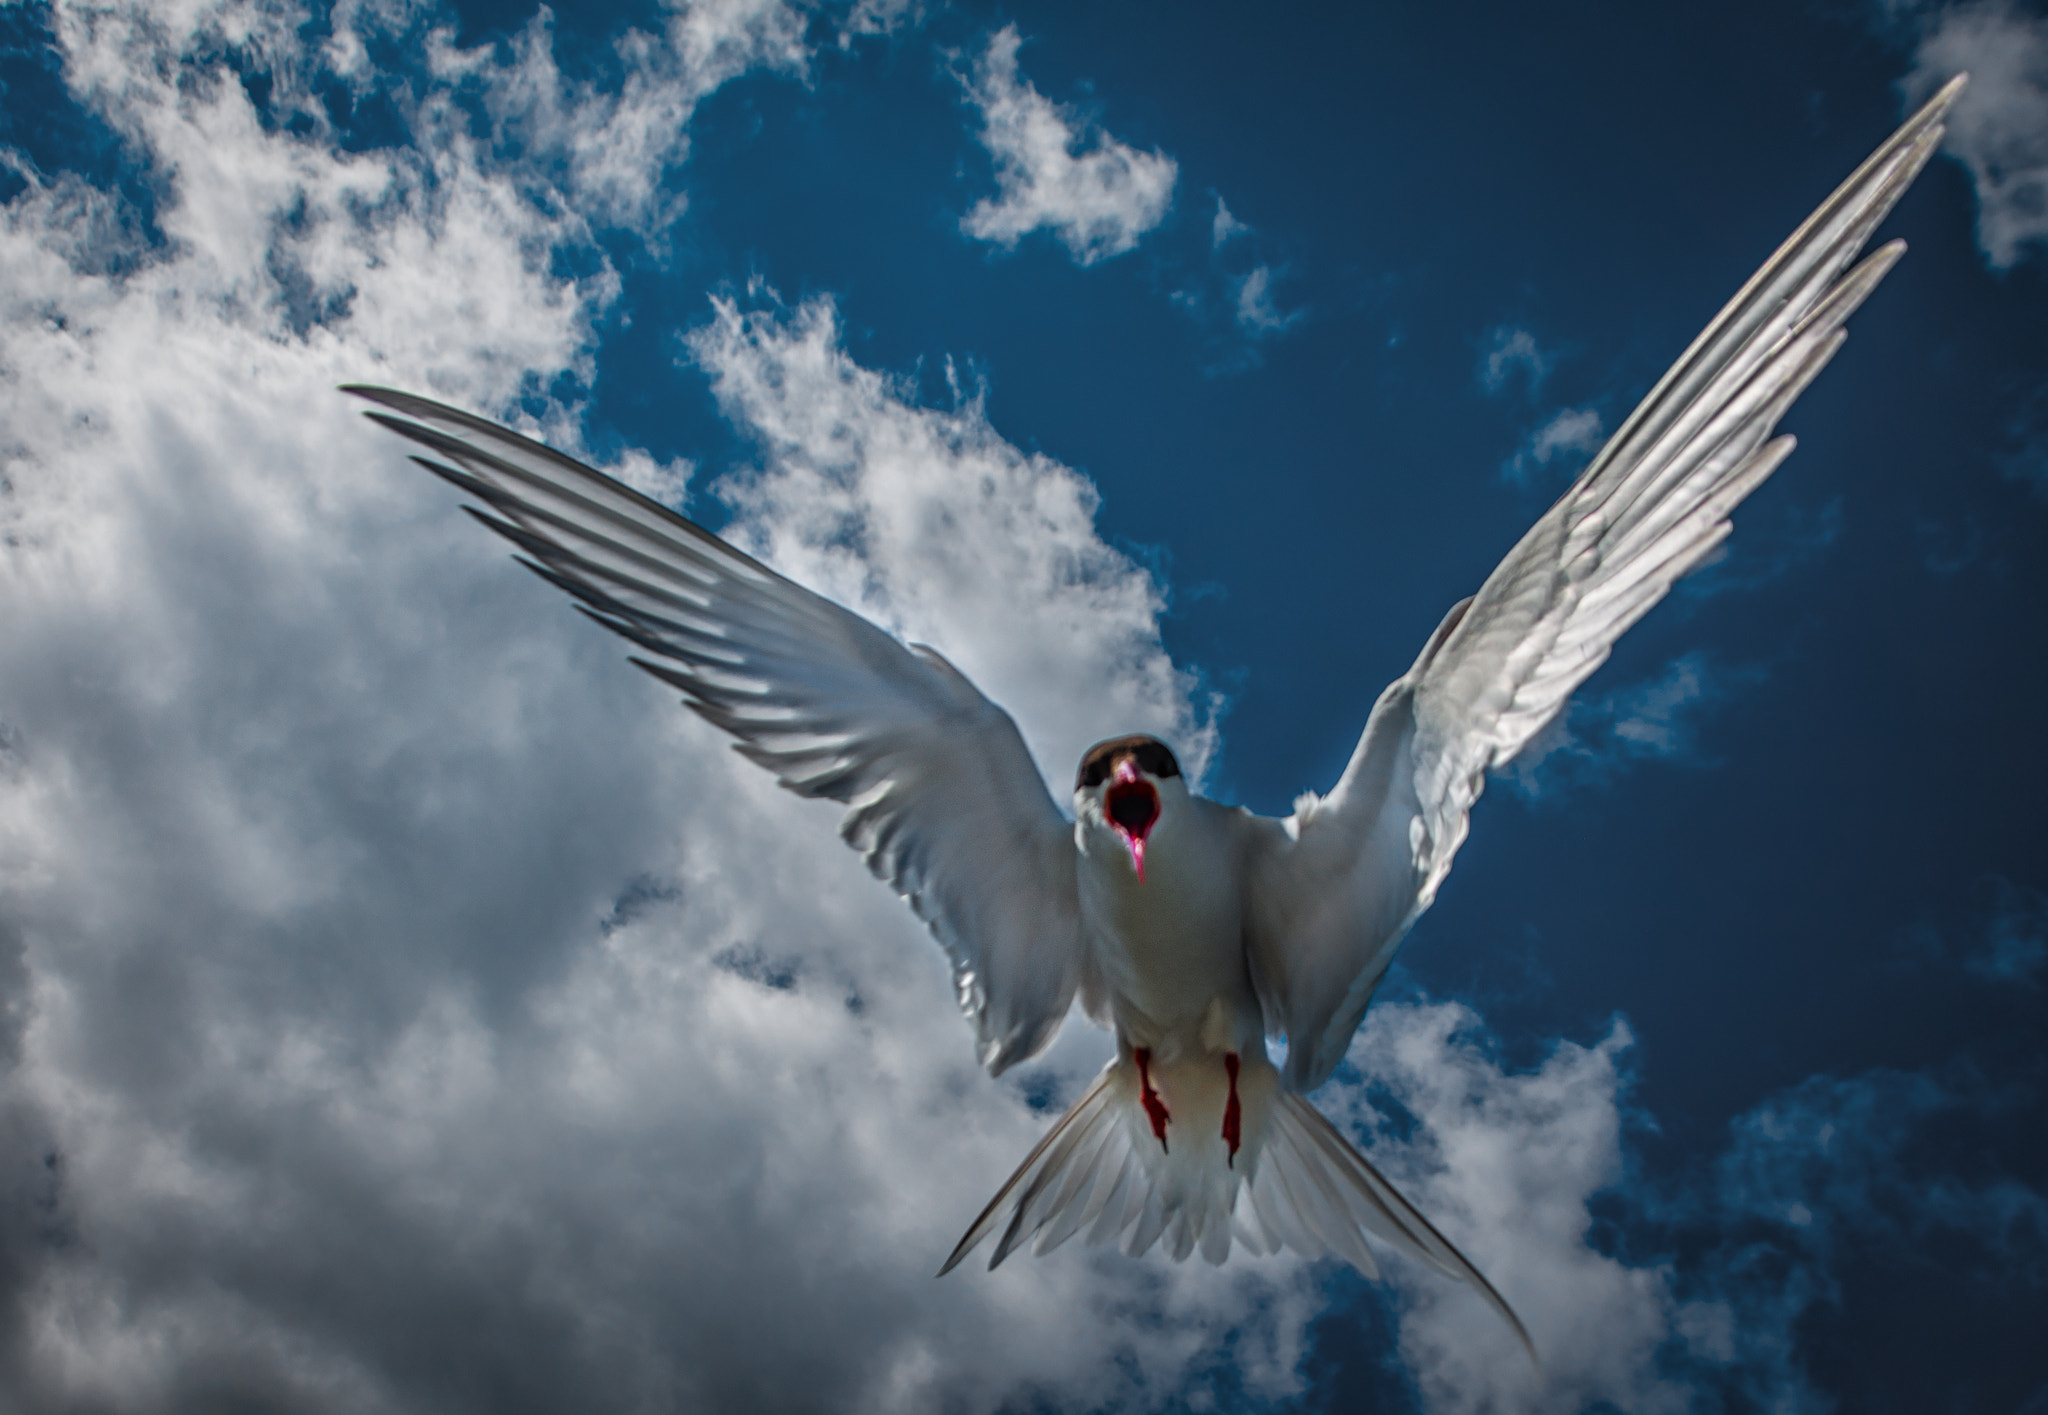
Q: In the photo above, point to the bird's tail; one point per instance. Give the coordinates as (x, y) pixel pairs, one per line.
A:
(1109, 1172)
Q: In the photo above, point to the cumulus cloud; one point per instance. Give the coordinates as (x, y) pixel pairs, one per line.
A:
(1998, 129)
(1506, 1162)
(1055, 171)
(929, 522)
(403, 1005)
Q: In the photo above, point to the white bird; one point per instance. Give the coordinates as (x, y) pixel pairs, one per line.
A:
(1191, 929)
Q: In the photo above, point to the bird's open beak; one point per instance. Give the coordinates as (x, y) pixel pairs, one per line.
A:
(1132, 805)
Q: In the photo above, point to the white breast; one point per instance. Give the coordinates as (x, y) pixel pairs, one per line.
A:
(1170, 949)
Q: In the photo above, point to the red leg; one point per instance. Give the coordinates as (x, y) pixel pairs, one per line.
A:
(1155, 1108)
(1233, 1113)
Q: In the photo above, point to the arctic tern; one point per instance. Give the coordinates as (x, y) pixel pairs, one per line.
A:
(1192, 930)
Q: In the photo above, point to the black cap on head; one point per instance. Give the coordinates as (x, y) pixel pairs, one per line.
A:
(1153, 757)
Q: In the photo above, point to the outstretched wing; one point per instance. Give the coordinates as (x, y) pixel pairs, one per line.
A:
(1334, 888)
(943, 801)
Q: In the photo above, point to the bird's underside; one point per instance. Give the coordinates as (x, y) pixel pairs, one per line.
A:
(1192, 930)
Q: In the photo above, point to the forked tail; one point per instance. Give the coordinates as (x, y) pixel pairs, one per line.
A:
(1298, 1183)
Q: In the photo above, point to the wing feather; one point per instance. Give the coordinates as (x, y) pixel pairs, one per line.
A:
(943, 801)
(1335, 887)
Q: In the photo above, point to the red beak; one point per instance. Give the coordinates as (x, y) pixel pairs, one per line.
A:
(1132, 806)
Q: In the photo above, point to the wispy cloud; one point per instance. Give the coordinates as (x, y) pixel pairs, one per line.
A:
(1511, 351)
(1806, 534)
(1055, 170)
(1597, 737)
(1224, 228)
(1511, 359)
(2026, 458)
(1569, 436)
(1998, 129)
(1235, 294)
(1257, 313)
(2015, 944)
(2001, 937)
(619, 142)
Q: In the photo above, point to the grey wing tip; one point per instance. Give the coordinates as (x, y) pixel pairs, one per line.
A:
(1528, 1342)
(971, 1239)
(389, 397)
(1935, 108)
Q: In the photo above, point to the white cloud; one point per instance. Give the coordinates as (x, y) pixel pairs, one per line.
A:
(1235, 298)
(1509, 350)
(930, 523)
(1574, 433)
(403, 1005)
(619, 143)
(1224, 228)
(1506, 1163)
(1098, 198)
(1257, 314)
(1570, 430)
(1512, 354)
(1998, 129)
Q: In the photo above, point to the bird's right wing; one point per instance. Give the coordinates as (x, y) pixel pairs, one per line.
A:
(943, 800)
(1334, 889)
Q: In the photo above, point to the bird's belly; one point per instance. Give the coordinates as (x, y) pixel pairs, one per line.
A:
(1170, 951)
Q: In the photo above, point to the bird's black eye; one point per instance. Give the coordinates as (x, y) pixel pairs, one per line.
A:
(1153, 757)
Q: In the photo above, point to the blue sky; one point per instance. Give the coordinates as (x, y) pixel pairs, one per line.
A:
(406, 1007)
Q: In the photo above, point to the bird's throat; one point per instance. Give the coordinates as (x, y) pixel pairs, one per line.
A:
(1132, 806)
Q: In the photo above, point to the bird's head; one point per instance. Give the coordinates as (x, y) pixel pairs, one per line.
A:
(1124, 786)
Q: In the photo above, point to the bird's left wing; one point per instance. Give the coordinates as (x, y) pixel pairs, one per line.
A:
(1334, 888)
(943, 800)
